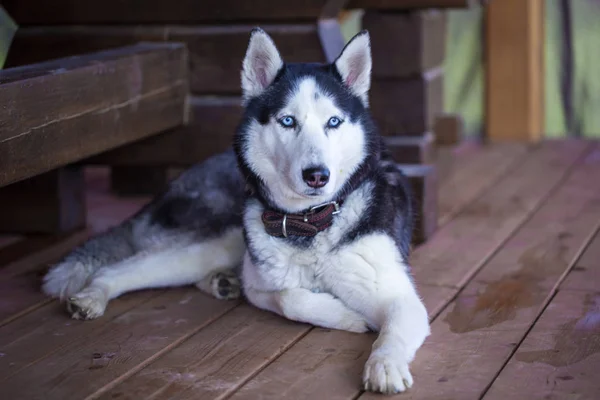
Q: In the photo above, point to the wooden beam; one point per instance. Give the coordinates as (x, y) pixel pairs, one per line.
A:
(407, 106)
(86, 12)
(62, 111)
(405, 44)
(215, 52)
(514, 70)
(409, 4)
(31, 12)
(412, 149)
(49, 203)
(213, 123)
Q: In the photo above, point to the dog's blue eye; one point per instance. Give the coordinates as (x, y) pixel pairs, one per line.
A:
(287, 122)
(334, 122)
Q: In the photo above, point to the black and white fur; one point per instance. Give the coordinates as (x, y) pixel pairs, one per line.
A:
(352, 276)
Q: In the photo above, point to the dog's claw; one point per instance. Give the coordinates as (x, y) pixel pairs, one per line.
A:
(87, 304)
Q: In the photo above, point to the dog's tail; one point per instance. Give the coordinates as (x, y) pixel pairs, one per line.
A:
(73, 272)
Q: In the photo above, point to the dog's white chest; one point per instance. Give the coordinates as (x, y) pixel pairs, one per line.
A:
(283, 265)
(287, 266)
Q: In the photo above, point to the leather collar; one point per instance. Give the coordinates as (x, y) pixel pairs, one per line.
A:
(309, 223)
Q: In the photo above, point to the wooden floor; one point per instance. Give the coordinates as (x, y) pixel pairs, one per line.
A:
(511, 281)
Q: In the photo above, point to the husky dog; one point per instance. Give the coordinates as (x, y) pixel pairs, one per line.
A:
(308, 203)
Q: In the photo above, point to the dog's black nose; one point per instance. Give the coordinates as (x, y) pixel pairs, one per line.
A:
(316, 177)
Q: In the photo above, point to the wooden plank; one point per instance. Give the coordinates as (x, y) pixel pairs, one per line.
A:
(326, 364)
(7, 240)
(553, 231)
(412, 149)
(405, 44)
(409, 4)
(36, 247)
(21, 269)
(407, 106)
(49, 203)
(122, 95)
(435, 297)
(475, 169)
(216, 361)
(476, 334)
(213, 124)
(585, 275)
(74, 69)
(467, 242)
(514, 99)
(559, 358)
(36, 12)
(67, 41)
(48, 329)
(20, 279)
(121, 347)
(239, 341)
(20, 295)
(215, 52)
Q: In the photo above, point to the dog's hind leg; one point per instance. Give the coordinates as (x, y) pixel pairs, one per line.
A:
(73, 272)
(176, 266)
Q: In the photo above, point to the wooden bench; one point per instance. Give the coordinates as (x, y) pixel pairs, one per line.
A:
(59, 112)
(408, 49)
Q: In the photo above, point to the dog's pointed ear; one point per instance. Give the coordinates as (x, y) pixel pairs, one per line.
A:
(354, 65)
(261, 64)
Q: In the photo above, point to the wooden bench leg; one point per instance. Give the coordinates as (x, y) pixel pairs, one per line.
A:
(53, 202)
(138, 180)
(424, 184)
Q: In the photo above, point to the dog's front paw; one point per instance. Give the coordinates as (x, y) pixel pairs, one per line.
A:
(387, 372)
(90, 303)
(225, 285)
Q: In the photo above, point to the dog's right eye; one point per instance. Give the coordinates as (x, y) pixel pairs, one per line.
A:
(287, 121)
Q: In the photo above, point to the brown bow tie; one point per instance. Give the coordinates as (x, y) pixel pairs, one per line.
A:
(315, 220)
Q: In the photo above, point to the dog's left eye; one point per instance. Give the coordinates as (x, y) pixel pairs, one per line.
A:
(287, 121)
(334, 122)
